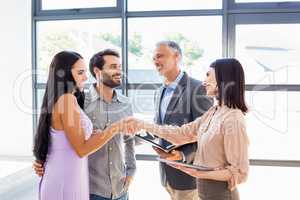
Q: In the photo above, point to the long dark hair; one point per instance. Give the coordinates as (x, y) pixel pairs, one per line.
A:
(231, 83)
(60, 81)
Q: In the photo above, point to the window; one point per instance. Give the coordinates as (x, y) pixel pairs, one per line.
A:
(143, 108)
(143, 102)
(146, 5)
(263, 183)
(83, 36)
(200, 46)
(71, 4)
(262, 34)
(253, 1)
(272, 124)
(269, 53)
(40, 95)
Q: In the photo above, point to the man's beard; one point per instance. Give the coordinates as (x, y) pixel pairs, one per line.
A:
(107, 81)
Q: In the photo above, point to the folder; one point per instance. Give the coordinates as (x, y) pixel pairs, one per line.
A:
(153, 140)
(178, 163)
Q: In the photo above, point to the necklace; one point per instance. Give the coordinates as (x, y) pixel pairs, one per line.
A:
(210, 119)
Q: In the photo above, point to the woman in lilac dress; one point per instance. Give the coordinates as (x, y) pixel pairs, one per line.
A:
(64, 135)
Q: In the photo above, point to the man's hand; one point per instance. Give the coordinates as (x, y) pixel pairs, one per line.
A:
(130, 125)
(127, 182)
(38, 168)
(173, 155)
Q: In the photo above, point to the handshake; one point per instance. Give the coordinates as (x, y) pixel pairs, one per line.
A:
(129, 126)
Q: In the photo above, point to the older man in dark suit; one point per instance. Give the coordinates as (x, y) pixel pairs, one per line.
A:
(180, 100)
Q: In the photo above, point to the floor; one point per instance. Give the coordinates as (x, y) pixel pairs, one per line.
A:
(18, 182)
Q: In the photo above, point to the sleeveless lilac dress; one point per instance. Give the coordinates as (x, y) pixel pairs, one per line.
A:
(66, 174)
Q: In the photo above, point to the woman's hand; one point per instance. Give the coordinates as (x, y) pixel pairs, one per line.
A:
(131, 125)
(173, 155)
(192, 172)
(127, 126)
(38, 168)
(96, 131)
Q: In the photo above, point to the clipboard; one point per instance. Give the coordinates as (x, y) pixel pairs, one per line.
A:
(197, 167)
(151, 139)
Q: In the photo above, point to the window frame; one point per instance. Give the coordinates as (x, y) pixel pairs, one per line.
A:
(263, 6)
(75, 11)
(232, 14)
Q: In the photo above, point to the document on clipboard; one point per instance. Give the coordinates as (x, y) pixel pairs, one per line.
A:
(197, 167)
(151, 139)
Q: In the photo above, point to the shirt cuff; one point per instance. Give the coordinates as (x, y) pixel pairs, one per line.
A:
(183, 157)
(130, 171)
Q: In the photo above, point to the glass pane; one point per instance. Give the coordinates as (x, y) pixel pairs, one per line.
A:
(283, 180)
(200, 46)
(70, 4)
(271, 122)
(40, 96)
(84, 36)
(252, 1)
(143, 108)
(9, 167)
(274, 183)
(261, 184)
(272, 125)
(147, 5)
(143, 103)
(16, 174)
(269, 53)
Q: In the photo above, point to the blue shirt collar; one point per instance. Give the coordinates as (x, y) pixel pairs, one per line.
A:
(174, 84)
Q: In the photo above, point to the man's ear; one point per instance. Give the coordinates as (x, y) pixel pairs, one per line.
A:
(177, 56)
(97, 72)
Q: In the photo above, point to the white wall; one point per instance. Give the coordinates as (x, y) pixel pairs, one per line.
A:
(15, 78)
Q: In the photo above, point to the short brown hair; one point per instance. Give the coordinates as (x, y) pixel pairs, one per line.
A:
(98, 61)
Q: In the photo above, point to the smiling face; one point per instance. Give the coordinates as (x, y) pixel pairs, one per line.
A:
(210, 83)
(79, 73)
(111, 73)
(165, 59)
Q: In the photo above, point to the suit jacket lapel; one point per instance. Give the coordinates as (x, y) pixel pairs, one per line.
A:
(157, 105)
(176, 95)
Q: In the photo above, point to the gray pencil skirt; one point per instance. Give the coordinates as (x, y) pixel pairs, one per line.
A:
(216, 190)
